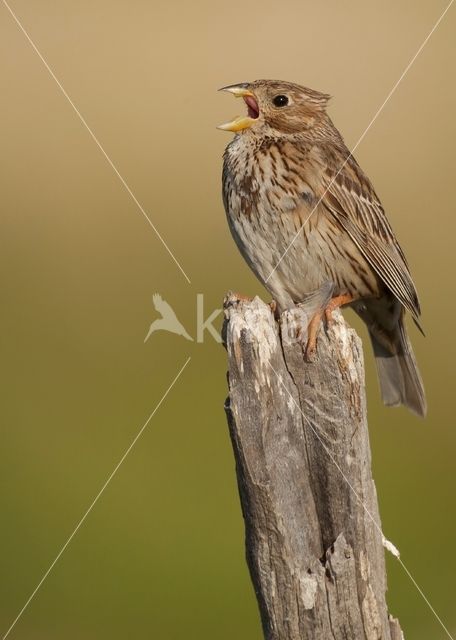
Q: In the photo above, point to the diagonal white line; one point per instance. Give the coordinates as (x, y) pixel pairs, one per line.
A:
(360, 501)
(361, 138)
(97, 142)
(95, 500)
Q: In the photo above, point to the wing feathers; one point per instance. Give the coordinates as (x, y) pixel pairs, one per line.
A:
(357, 209)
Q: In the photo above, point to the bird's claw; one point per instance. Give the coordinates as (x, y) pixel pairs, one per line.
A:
(240, 297)
(275, 309)
(310, 351)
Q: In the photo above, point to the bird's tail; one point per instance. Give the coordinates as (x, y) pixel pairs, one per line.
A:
(400, 380)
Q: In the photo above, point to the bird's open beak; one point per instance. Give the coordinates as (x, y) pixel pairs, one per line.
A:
(241, 122)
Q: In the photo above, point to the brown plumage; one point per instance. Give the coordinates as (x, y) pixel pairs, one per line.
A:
(305, 216)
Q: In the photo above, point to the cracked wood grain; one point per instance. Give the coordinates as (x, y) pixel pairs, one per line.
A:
(303, 463)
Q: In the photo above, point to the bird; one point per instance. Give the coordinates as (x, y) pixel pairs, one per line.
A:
(306, 217)
(168, 321)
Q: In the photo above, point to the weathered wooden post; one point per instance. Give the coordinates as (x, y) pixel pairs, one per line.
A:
(300, 439)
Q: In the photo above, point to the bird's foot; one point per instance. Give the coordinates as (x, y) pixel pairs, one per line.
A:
(241, 297)
(335, 303)
(315, 323)
(273, 305)
(313, 330)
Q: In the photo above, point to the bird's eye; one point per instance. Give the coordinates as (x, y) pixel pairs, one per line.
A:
(280, 101)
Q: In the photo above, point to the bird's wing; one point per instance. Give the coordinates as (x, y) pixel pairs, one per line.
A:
(162, 306)
(157, 300)
(349, 196)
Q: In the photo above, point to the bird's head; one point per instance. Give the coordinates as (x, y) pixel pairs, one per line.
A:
(277, 108)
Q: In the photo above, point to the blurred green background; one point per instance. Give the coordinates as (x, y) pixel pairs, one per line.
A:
(161, 555)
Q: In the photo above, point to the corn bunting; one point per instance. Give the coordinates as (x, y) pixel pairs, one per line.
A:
(303, 214)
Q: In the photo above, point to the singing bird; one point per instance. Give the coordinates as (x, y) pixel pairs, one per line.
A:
(304, 214)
